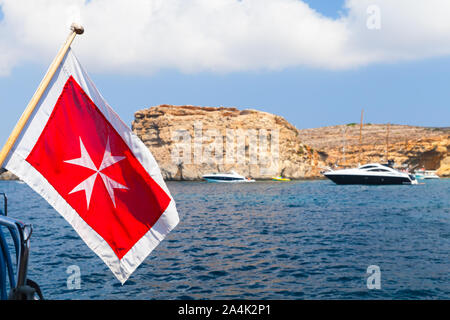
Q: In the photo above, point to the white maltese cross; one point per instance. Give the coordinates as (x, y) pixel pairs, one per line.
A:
(88, 184)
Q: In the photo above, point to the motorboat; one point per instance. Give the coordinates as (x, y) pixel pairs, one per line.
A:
(280, 178)
(372, 173)
(426, 174)
(230, 177)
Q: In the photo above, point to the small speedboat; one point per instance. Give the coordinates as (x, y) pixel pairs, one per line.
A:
(373, 173)
(426, 174)
(280, 178)
(230, 177)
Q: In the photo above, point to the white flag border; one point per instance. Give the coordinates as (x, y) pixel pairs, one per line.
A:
(16, 163)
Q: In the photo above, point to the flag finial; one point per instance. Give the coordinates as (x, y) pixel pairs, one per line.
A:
(77, 28)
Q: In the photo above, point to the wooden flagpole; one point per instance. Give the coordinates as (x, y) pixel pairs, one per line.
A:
(75, 29)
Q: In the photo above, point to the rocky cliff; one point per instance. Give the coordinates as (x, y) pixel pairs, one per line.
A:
(413, 147)
(189, 141)
(8, 176)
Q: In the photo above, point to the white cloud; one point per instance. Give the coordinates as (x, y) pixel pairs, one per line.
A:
(410, 29)
(141, 36)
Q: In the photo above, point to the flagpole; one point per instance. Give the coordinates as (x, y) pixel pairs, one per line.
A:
(75, 29)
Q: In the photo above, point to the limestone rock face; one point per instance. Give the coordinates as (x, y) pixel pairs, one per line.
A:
(444, 168)
(8, 176)
(189, 141)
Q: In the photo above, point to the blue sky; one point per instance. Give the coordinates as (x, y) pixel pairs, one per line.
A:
(412, 92)
(329, 8)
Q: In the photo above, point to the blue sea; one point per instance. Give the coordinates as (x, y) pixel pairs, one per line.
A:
(263, 240)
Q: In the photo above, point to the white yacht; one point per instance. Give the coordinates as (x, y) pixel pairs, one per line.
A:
(372, 173)
(426, 174)
(230, 177)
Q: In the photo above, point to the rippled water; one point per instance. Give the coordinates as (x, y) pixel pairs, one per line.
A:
(266, 240)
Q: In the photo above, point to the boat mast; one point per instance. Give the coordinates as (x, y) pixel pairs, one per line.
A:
(360, 135)
(387, 142)
(344, 129)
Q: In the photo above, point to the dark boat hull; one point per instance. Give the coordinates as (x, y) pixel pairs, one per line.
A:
(371, 180)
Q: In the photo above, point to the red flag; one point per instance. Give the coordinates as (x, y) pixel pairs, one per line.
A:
(91, 168)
